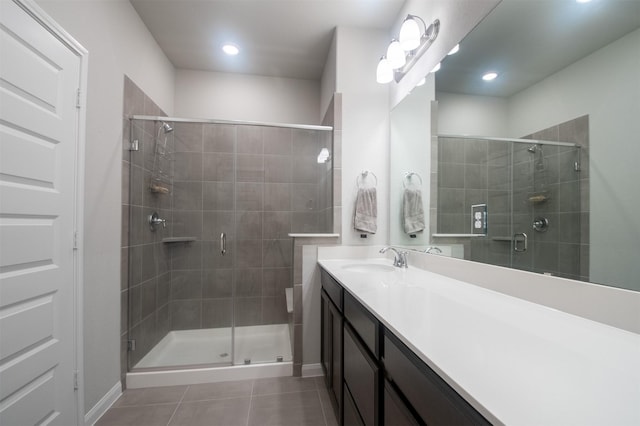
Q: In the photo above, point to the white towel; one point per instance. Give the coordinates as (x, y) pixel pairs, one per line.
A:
(412, 211)
(366, 211)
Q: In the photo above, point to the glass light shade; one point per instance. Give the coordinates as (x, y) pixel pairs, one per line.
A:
(455, 50)
(421, 82)
(396, 55)
(436, 68)
(409, 34)
(384, 72)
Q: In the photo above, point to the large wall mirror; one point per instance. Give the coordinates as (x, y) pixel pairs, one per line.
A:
(537, 169)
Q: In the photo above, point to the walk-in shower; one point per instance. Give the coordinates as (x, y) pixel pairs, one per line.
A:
(532, 192)
(210, 260)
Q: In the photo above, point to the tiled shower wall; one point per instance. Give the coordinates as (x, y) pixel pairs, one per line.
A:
(145, 278)
(502, 175)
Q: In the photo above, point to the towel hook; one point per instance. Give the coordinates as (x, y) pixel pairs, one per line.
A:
(408, 176)
(362, 177)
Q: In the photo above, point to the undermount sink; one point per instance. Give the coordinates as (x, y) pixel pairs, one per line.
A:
(368, 267)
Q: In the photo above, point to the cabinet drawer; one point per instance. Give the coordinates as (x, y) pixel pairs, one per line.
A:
(361, 377)
(365, 324)
(429, 395)
(333, 289)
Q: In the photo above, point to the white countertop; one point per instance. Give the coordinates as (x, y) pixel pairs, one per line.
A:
(516, 362)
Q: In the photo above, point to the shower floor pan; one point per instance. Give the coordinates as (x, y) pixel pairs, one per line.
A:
(253, 345)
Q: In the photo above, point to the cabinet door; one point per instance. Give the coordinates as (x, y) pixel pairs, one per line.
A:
(361, 377)
(336, 358)
(325, 337)
(351, 416)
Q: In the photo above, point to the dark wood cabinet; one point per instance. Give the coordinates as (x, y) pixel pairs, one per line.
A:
(375, 379)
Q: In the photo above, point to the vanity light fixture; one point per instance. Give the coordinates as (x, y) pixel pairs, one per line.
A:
(403, 53)
(230, 49)
(490, 76)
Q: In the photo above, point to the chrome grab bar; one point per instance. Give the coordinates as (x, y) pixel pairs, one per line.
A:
(520, 238)
(223, 243)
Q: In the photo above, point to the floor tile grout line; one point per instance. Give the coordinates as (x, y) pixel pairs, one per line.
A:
(253, 385)
(175, 410)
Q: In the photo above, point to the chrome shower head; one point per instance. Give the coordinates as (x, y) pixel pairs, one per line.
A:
(167, 127)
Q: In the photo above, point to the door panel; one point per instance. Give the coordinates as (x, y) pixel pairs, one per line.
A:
(39, 80)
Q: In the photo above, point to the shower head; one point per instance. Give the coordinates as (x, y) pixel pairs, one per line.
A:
(533, 148)
(166, 127)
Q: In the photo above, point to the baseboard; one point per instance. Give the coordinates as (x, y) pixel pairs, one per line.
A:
(312, 370)
(103, 405)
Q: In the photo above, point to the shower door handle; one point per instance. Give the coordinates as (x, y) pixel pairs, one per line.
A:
(517, 239)
(223, 243)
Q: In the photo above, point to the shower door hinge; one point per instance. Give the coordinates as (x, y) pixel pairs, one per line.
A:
(78, 99)
(75, 240)
(131, 345)
(133, 145)
(75, 380)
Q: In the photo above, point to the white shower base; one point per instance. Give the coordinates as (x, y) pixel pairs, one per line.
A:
(253, 345)
(262, 345)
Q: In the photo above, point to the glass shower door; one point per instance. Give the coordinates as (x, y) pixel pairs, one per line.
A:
(546, 206)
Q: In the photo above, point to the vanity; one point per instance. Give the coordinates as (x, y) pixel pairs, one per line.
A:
(409, 346)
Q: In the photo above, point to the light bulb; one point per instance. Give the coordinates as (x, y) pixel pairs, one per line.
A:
(395, 55)
(384, 72)
(409, 34)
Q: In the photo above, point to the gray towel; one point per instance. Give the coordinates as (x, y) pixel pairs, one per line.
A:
(365, 218)
(412, 211)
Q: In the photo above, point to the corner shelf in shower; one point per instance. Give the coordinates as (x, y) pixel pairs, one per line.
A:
(178, 240)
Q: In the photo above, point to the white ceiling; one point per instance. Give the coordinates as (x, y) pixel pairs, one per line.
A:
(281, 38)
(523, 40)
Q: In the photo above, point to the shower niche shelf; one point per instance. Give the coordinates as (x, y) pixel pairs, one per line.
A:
(173, 240)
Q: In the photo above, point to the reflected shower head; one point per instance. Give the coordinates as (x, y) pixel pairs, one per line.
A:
(166, 127)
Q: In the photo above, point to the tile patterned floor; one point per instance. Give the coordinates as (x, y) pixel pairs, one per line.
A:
(280, 401)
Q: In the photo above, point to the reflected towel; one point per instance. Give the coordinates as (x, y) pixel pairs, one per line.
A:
(412, 211)
(366, 212)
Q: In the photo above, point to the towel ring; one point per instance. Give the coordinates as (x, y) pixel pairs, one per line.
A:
(407, 178)
(362, 177)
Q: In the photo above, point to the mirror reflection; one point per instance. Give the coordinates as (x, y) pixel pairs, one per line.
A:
(535, 169)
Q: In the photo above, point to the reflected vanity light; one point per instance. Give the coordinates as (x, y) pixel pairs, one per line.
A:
(324, 156)
(402, 53)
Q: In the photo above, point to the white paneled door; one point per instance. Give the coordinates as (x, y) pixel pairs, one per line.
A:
(40, 126)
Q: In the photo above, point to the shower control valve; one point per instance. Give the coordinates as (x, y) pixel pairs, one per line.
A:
(154, 220)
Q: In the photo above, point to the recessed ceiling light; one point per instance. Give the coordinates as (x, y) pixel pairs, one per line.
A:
(454, 50)
(230, 49)
(489, 76)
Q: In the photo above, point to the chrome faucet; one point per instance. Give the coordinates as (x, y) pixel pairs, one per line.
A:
(400, 256)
